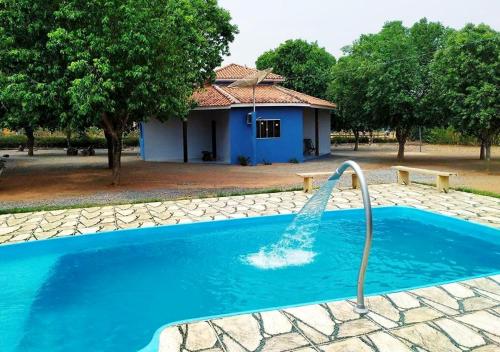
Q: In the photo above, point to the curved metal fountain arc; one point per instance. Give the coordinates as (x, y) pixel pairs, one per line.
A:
(360, 302)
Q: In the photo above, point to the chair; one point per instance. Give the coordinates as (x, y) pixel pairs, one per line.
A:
(309, 148)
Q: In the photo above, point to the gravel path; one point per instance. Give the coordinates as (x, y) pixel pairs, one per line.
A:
(102, 198)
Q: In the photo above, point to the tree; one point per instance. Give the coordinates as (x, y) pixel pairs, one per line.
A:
(396, 62)
(306, 66)
(348, 90)
(26, 67)
(134, 60)
(466, 73)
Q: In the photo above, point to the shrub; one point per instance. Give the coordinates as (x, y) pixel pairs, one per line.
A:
(243, 160)
(13, 141)
(293, 161)
(362, 140)
(448, 135)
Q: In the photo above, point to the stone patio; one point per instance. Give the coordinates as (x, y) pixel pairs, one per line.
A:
(454, 317)
(462, 316)
(48, 224)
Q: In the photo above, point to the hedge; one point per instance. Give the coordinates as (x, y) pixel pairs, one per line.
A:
(13, 141)
(362, 140)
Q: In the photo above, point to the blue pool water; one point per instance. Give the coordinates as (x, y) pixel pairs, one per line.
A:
(111, 292)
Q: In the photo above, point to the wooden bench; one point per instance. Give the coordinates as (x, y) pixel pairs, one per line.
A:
(309, 177)
(442, 177)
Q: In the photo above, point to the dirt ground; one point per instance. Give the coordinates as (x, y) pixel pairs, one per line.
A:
(51, 174)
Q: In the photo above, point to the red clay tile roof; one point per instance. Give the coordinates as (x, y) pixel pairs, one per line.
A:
(307, 98)
(210, 96)
(220, 95)
(233, 72)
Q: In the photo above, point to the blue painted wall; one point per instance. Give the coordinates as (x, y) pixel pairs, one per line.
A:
(288, 146)
(141, 141)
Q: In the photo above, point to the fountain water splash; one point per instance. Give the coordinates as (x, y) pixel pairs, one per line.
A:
(295, 246)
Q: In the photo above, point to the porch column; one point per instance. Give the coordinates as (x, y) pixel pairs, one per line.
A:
(185, 139)
(316, 131)
(214, 140)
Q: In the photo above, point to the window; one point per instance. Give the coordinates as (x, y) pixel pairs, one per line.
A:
(268, 128)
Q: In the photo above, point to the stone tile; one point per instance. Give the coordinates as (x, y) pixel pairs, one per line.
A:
(285, 342)
(437, 295)
(315, 316)
(487, 348)
(384, 322)
(404, 300)
(200, 336)
(426, 337)
(460, 333)
(482, 320)
(348, 345)
(274, 322)
(342, 311)
(458, 290)
(170, 339)
(485, 284)
(382, 306)
(417, 315)
(244, 329)
(385, 342)
(441, 308)
(357, 327)
(478, 303)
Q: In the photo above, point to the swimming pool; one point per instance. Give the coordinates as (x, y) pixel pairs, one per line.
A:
(111, 292)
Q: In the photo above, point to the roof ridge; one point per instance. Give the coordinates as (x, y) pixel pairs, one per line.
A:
(298, 95)
(226, 94)
(289, 92)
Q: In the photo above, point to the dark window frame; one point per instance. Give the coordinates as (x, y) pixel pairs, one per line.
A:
(267, 128)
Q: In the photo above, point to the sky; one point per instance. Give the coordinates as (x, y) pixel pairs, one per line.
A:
(264, 24)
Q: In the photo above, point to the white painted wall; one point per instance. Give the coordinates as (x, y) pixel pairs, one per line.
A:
(309, 124)
(324, 128)
(200, 134)
(163, 141)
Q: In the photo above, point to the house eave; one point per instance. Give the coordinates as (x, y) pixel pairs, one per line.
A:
(249, 105)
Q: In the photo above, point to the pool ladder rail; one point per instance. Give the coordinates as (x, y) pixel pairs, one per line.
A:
(360, 307)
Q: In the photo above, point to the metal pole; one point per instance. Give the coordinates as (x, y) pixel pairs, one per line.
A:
(420, 137)
(253, 91)
(254, 131)
(360, 303)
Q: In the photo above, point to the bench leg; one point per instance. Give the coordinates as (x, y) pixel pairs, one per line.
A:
(355, 181)
(443, 183)
(308, 184)
(404, 178)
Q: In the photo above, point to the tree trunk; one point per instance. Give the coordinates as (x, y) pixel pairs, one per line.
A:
(68, 138)
(31, 140)
(487, 149)
(356, 139)
(401, 136)
(114, 127)
(482, 151)
(109, 144)
(116, 157)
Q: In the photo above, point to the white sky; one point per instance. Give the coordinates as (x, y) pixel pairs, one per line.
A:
(264, 24)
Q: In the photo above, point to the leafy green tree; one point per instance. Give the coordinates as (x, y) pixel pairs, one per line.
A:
(306, 66)
(396, 62)
(348, 90)
(467, 76)
(134, 60)
(26, 67)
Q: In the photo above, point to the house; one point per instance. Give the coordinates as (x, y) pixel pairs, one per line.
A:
(289, 125)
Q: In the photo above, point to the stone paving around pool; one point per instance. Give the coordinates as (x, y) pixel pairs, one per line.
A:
(454, 317)
(462, 316)
(48, 224)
